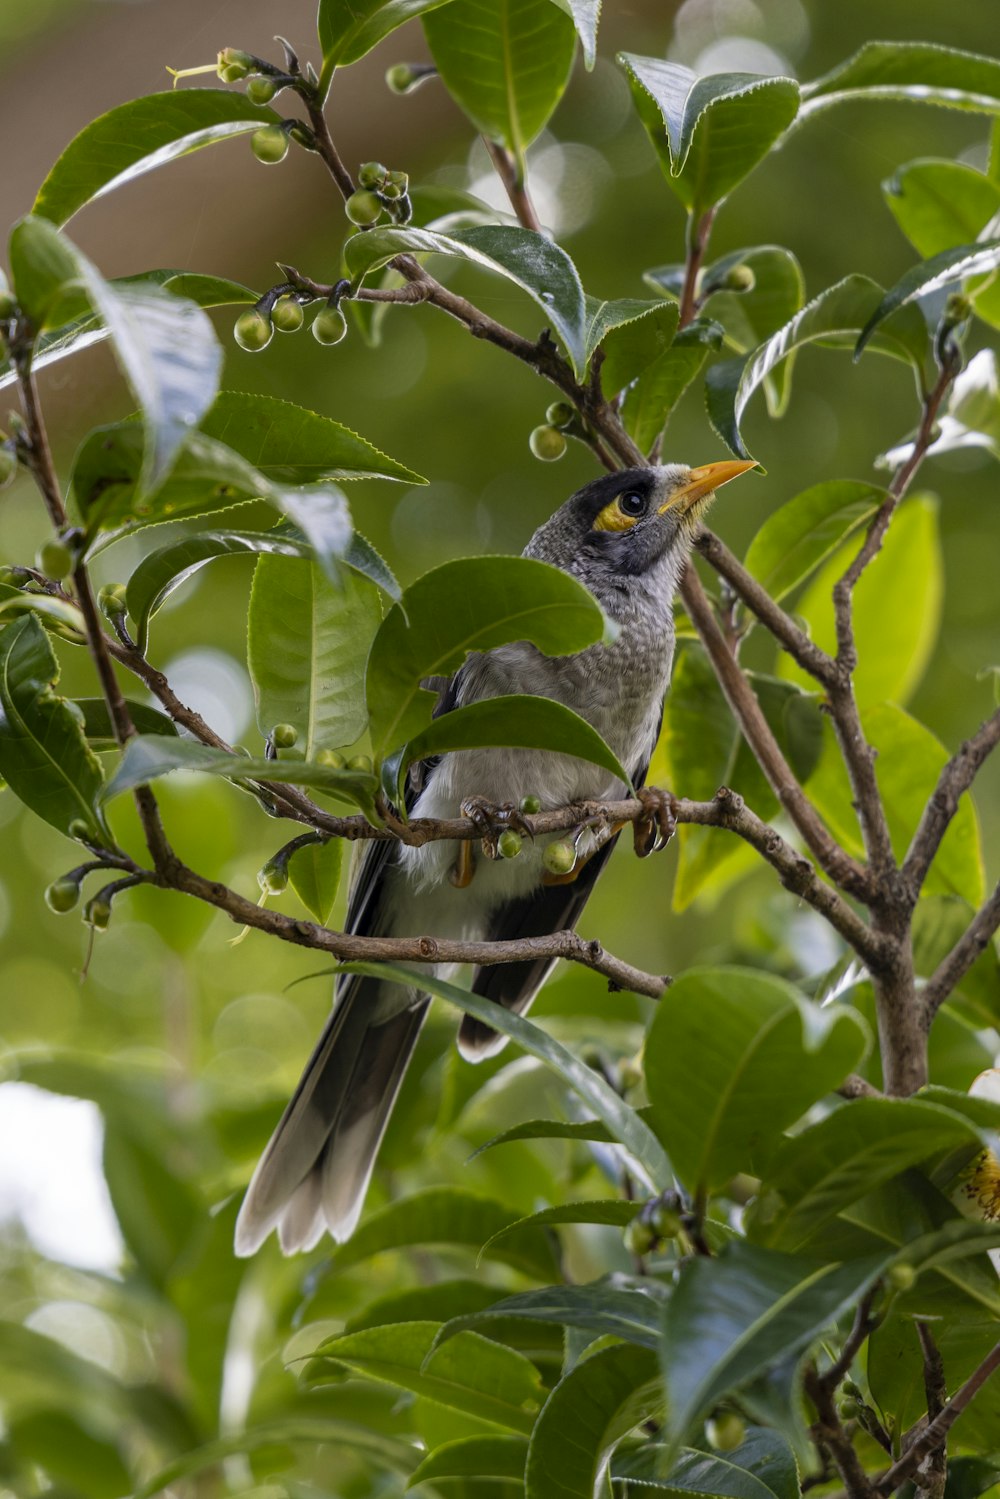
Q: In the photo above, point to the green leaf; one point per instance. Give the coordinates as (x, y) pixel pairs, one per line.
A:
(469, 1373)
(519, 721)
(850, 1153)
(62, 617)
(610, 1212)
(99, 730)
(555, 1129)
(166, 346)
(157, 1211)
(307, 644)
(733, 1316)
(505, 63)
(473, 1457)
(928, 276)
(661, 384)
(709, 132)
(939, 204)
(530, 260)
(803, 533)
(448, 1216)
(64, 1448)
(134, 138)
(349, 29)
(468, 605)
(147, 757)
(596, 1404)
(586, 15)
(631, 344)
(604, 316)
(648, 1159)
(733, 1057)
(314, 874)
(895, 624)
(833, 317)
(44, 757)
(971, 418)
(762, 1467)
(917, 71)
(617, 1307)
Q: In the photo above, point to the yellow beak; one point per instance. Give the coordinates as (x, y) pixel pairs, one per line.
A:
(703, 481)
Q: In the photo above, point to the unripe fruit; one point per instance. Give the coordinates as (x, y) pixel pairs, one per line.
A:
(269, 144)
(726, 1431)
(8, 307)
(362, 207)
(261, 90)
(329, 326)
(360, 762)
(849, 1409)
(560, 857)
(666, 1221)
(80, 830)
(111, 601)
(252, 331)
(901, 1277)
(330, 759)
(8, 466)
(372, 174)
(62, 895)
(273, 878)
(559, 414)
(639, 1237)
(97, 913)
(284, 735)
(529, 805)
(287, 315)
(547, 443)
(509, 844)
(55, 560)
(739, 278)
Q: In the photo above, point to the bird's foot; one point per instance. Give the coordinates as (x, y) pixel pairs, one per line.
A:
(490, 820)
(658, 824)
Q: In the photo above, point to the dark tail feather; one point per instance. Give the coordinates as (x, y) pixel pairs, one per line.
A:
(315, 1170)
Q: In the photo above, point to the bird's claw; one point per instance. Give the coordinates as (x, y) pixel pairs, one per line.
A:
(658, 824)
(491, 819)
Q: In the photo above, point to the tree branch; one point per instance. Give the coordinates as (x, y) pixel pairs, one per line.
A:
(936, 1431)
(514, 185)
(954, 780)
(829, 1433)
(953, 968)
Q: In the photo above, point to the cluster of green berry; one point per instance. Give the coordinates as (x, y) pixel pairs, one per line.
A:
(380, 191)
(548, 442)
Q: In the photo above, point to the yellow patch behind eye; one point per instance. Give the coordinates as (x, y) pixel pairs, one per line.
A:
(613, 518)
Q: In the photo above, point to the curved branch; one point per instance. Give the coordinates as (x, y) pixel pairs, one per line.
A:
(954, 780)
(953, 968)
(934, 1434)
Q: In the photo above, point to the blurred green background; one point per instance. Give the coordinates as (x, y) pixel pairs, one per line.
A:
(208, 1029)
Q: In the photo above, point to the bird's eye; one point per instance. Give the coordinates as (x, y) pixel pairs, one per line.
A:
(632, 503)
(623, 512)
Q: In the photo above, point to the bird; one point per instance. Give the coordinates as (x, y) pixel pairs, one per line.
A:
(626, 536)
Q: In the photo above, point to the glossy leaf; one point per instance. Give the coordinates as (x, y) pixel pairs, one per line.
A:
(606, 1211)
(592, 1407)
(630, 1309)
(166, 345)
(916, 71)
(649, 402)
(147, 757)
(733, 1057)
(897, 607)
(468, 605)
(604, 316)
(519, 721)
(586, 16)
(134, 138)
(762, 1467)
(44, 756)
(709, 132)
(530, 260)
(349, 29)
(939, 204)
(803, 533)
(473, 1457)
(307, 644)
(505, 63)
(734, 1316)
(648, 1158)
(632, 344)
(314, 875)
(98, 728)
(951, 265)
(61, 617)
(468, 1373)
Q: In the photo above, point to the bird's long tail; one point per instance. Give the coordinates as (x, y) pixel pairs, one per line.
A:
(315, 1171)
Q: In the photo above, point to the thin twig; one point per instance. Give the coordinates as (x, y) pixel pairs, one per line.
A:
(954, 780)
(936, 1431)
(953, 968)
(935, 1474)
(698, 237)
(829, 1433)
(514, 185)
(863, 1324)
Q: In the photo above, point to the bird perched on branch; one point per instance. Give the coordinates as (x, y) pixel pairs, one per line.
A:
(626, 536)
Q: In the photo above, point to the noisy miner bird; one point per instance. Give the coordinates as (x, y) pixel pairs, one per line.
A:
(626, 537)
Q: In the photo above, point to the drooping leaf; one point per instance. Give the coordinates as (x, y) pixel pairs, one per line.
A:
(761, 1467)
(554, 1129)
(314, 875)
(604, 316)
(307, 644)
(607, 1211)
(647, 1155)
(733, 1057)
(468, 605)
(44, 755)
(134, 138)
(586, 17)
(473, 1457)
(619, 1306)
(530, 260)
(803, 533)
(951, 265)
(349, 29)
(709, 132)
(505, 63)
(920, 72)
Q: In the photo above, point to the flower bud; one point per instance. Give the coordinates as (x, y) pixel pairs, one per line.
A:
(284, 735)
(666, 1221)
(360, 762)
(62, 895)
(639, 1237)
(111, 601)
(261, 90)
(547, 443)
(404, 77)
(559, 414)
(509, 844)
(269, 144)
(901, 1276)
(273, 878)
(849, 1409)
(372, 174)
(725, 1431)
(529, 805)
(738, 278)
(363, 208)
(287, 315)
(80, 830)
(330, 758)
(55, 559)
(329, 325)
(8, 465)
(252, 331)
(559, 857)
(232, 64)
(97, 913)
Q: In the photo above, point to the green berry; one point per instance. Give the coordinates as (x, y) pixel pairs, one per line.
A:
(261, 90)
(738, 278)
(509, 844)
(391, 190)
(404, 77)
(559, 857)
(273, 878)
(284, 735)
(666, 1221)
(252, 331)
(726, 1431)
(372, 174)
(287, 315)
(111, 601)
(901, 1277)
(529, 805)
(62, 895)
(97, 913)
(849, 1409)
(8, 465)
(329, 326)
(330, 759)
(55, 560)
(639, 1237)
(547, 443)
(8, 307)
(559, 414)
(80, 830)
(269, 144)
(360, 762)
(363, 208)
